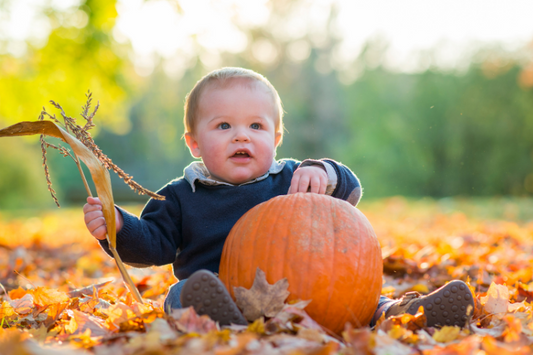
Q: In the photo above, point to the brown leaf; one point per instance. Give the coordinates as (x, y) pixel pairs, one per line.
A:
(523, 294)
(22, 305)
(263, 299)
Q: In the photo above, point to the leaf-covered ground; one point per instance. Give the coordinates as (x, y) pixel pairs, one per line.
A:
(61, 294)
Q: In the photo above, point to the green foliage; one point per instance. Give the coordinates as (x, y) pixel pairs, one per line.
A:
(438, 134)
(74, 60)
(428, 134)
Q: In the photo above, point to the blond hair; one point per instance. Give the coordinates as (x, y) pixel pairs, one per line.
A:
(223, 77)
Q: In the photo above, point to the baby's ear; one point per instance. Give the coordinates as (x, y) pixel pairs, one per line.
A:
(192, 143)
(278, 138)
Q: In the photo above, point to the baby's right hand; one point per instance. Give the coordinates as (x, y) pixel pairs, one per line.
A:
(94, 218)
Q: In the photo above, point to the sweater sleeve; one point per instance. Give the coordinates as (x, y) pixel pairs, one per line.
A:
(348, 187)
(152, 239)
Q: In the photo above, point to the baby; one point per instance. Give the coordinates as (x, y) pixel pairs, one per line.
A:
(234, 123)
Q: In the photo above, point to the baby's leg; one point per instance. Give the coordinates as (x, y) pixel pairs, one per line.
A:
(452, 304)
(208, 295)
(383, 306)
(172, 301)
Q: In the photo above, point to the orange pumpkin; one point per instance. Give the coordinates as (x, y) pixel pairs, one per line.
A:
(324, 246)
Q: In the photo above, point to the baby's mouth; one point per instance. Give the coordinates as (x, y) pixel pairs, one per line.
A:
(240, 155)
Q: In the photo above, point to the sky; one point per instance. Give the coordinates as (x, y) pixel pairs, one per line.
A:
(451, 29)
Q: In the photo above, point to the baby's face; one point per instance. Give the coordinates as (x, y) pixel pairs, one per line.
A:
(235, 131)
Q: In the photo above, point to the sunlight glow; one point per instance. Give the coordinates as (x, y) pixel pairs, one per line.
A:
(409, 35)
(414, 33)
(450, 29)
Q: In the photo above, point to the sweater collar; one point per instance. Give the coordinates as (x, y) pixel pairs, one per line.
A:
(197, 171)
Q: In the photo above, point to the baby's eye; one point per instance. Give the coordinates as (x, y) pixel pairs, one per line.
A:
(223, 125)
(255, 126)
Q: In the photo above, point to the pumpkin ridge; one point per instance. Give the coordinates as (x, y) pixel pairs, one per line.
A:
(338, 216)
(269, 235)
(332, 264)
(359, 305)
(256, 222)
(286, 243)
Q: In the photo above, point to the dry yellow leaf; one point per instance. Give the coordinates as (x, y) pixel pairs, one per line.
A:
(446, 334)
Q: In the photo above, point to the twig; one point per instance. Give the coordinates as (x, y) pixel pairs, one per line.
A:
(77, 160)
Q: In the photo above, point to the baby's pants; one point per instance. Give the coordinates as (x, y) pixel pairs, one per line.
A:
(173, 301)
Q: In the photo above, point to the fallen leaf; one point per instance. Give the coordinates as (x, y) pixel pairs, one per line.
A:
(161, 327)
(497, 300)
(258, 326)
(186, 320)
(493, 347)
(86, 322)
(6, 310)
(446, 334)
(387, 345)
(86, 291)
(515, 307)
(46, 296)
(360, 339)
(118, 314)
(263, 299)
(23, 305)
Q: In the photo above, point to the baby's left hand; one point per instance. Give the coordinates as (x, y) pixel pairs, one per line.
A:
(309, 179)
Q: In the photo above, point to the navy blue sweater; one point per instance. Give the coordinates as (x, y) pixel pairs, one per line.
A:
(189, 229)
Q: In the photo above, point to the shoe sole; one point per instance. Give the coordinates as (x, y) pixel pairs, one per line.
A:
(208, 295)
(447, 306)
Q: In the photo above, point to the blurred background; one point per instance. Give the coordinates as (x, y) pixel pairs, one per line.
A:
(419, 98)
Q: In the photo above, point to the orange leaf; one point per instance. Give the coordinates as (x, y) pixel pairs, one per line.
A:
(17, 293)
(47, 296)
(87, 322)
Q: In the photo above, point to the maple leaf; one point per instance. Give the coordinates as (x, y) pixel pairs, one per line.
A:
(263, 299)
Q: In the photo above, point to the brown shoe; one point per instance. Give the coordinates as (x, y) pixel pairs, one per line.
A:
(452, 304)
(208, 295)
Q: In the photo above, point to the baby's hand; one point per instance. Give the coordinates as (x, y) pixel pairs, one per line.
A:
(309, 179)
(94, 218)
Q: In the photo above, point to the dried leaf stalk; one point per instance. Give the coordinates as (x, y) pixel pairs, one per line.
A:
(82, 134)
(86, 150)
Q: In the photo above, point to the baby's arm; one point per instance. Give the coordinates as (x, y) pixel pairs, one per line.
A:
(335, 179)
(151, 239)
(94, 218)
(311, 178)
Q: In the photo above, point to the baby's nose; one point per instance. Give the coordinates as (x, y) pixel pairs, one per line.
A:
(241, 136)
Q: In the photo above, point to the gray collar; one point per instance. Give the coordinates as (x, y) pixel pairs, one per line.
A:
(197, 171)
